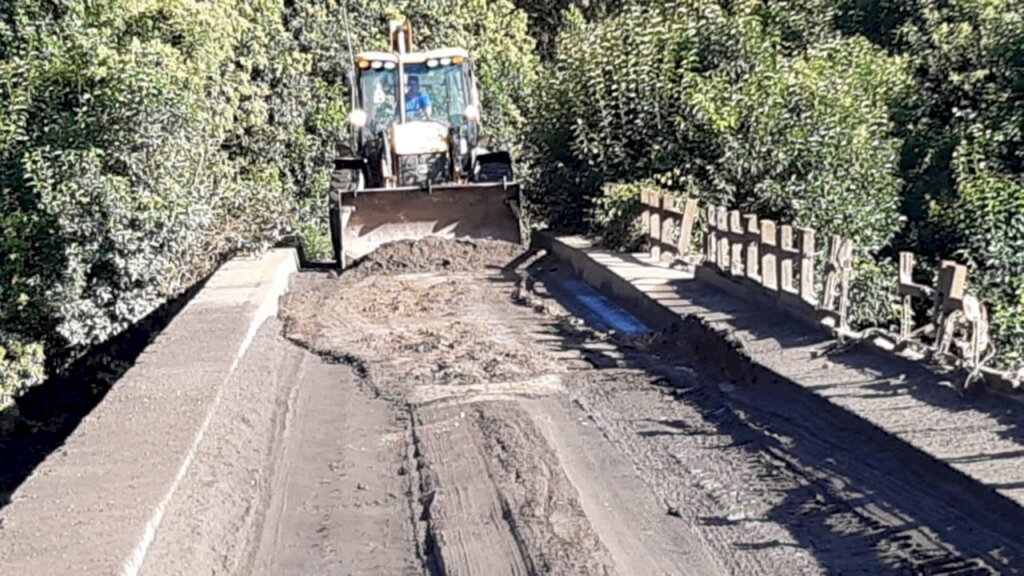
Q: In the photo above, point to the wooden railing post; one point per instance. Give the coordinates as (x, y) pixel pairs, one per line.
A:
(909, 290)
(753, 240)
(724, 242)
(785, 259)
(769, 246)
(806, 236)
(711, 235)
(686, 228)
(645, 216)
(655, 234)
(828, 292)
(952, 285)
(950, 291)
(837, 277)
(668, 222)
(736, 243)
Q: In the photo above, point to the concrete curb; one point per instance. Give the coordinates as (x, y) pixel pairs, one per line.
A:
(978, 442)
(94, 506)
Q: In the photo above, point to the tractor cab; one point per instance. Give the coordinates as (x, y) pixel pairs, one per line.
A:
(414, 165)
(409, 133)
(444, 77)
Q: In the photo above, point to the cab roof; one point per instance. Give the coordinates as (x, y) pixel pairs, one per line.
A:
(413, 57)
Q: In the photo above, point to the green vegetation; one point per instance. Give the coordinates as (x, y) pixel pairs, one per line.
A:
(898, 124)
(144, 141)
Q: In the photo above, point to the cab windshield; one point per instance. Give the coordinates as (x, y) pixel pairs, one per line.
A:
(435, 93)
(380, 100)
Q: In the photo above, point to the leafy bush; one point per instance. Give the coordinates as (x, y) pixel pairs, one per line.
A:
(963, 160)
(21, 366)
(985, 226)
(120, 183)
(874, 294)
(706, 99)
(616, 214)
(761, 106)
(809, 142)
(141, 143)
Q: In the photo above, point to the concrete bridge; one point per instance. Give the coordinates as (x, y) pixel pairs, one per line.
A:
(683, 424)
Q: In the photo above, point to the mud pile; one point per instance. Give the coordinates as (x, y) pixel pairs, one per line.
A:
(427, 313)
(433, 255)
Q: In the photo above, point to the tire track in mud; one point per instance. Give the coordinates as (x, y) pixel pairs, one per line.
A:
(489, 366)
(466, 531)
(457, 353)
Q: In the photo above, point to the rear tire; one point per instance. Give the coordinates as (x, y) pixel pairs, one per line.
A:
(495, 172)
(494, 167)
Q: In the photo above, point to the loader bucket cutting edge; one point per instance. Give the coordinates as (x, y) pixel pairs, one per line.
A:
(470, 211)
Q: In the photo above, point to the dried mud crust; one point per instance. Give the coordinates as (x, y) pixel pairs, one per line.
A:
(460, 346)
(547, 513)
(519, 485)
(756, 462)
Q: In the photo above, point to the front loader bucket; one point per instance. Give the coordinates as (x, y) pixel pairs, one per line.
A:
(370, 218)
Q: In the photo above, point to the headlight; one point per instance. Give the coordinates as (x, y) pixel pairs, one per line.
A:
(432, 63)
(472, 113)
(358, 118)
(377, 65)
(446, 61)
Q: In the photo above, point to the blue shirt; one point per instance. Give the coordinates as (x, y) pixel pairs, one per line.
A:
(413, 106)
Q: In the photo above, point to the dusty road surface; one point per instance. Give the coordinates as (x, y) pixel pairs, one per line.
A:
(459, 409)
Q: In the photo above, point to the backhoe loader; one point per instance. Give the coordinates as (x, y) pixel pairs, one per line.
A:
(414, 165)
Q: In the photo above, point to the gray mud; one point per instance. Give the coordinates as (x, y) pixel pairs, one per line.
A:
(432, 326)
(540, 446)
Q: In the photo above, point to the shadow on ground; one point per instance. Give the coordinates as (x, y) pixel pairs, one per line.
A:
(888, 376)
(50, 413)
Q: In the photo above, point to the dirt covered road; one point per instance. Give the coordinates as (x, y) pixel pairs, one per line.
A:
(460, 420)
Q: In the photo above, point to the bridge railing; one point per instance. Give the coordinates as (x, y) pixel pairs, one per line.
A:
(668, 224)
(780, 261)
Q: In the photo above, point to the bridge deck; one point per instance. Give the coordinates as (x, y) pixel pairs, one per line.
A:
(981, 438)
